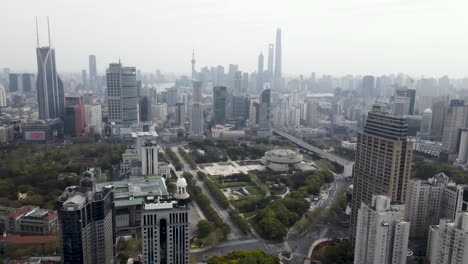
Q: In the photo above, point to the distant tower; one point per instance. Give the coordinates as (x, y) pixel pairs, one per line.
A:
(426, 123)
(260, 73)
(50, 95)
(194, 72)
(3, 101)
(92, 72)
(122, 98)
(196, 120)
(277, 76)
(271, 49)
(264, 116)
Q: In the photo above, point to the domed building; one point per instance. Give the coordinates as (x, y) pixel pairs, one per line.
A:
(281, 159)
(181, 189)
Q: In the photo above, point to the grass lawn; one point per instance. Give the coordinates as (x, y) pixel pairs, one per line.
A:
(254, 190)
(232, 184)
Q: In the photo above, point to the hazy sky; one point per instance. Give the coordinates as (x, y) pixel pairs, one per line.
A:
(419, 37)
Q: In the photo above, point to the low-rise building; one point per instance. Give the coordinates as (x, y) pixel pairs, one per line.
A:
(7, 134)
(28, 220)
(281, 159)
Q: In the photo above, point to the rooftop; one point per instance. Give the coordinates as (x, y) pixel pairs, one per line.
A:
(136, 186)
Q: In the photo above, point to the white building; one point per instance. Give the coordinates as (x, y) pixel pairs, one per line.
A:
(93, 118)
(149, 161)
(426, 198)
(382, 234)
(426, 123)
(427, 147)
(448, 241)
(122, 101)
(164, 229)
(3, 97)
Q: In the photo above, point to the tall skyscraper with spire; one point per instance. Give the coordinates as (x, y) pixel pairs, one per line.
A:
(50, 95)
(196, 119)
(260, 73)
(193, 61)
(277, 77)
(271, 49)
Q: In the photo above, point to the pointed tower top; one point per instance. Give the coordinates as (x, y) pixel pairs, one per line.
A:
(37, 34)
(48, 30)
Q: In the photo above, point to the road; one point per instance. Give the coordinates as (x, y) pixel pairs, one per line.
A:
(236, 233)
(347, 164)
(300, 243)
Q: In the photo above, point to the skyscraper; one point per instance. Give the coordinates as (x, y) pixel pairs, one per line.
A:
(426, 123)
(145, 109)
(439, 110)
(84, 78)
(149, 159)
(3, 98)
(74, 116)
(368, 86)
(237, 83)
(193, 61)
(245, 83)
(196, 120)
(50, 95)
(383, 161)
(121, 94)
(164, 228)
(278, 76)
(219, 105)
(382, 235)
(260, 74)
(86, 221)
(264, 116)
(448, 241)
(271, 49)
(455, 119)
(92, 72)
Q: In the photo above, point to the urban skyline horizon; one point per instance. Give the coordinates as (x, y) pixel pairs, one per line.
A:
(358, 38)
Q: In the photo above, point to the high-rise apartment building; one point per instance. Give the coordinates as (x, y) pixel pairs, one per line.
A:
(122, 102)
(448, 241)
(196, 118)
(278, 67)
(382, 234)
(455, 119)
(264, 114)
(165, 228)
(92, 72)
(237, 89)
(219, 105)
(86, 222)
(93, 118)
(145, 109)
(383, 161)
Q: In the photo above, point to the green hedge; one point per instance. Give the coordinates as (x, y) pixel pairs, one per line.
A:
(214, 190)
(175, 160)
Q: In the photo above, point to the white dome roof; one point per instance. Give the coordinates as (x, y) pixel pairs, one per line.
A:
(181, 182)
(427, 111)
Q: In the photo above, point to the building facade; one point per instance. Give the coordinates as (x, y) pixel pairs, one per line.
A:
(448, 241)
(86, 222)
(196, 120)
(382, 234)
(50, 94)
(122, 102)
(383, 161)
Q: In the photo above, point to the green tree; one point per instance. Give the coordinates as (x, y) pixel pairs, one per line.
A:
(205, 227)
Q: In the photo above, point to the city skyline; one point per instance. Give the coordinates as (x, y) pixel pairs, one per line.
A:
(340, 39)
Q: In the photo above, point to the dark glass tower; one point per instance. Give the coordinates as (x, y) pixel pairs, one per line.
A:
(50, 95)
(219, 104)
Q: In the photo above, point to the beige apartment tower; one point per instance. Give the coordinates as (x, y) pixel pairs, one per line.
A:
(383, 161)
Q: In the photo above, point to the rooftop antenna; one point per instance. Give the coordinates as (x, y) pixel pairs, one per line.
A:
(48, 29)
(37, 33)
